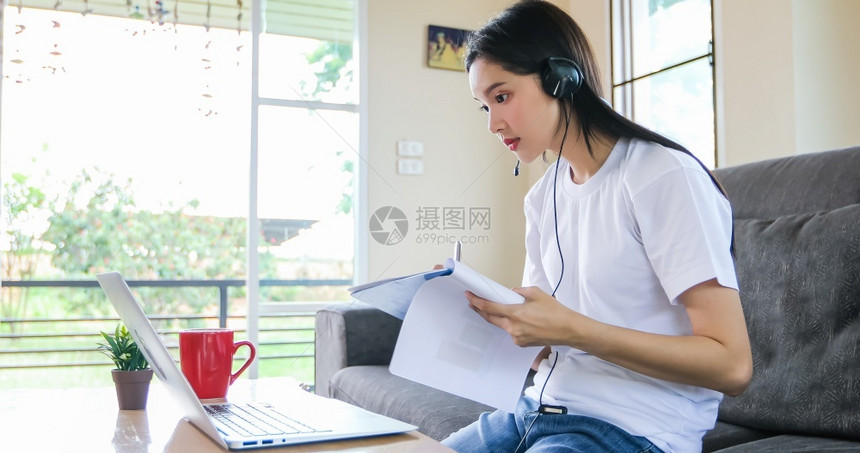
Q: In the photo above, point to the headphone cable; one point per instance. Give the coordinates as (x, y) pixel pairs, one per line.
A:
(555, 199)
(540, 399)
(560, 277)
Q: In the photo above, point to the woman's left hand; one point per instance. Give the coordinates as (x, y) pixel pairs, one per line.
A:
(539, 321)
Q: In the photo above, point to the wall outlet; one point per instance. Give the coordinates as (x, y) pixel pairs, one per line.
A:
(410, 166)
(408, 148)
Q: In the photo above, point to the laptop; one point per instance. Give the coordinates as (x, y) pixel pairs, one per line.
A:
(236, 426)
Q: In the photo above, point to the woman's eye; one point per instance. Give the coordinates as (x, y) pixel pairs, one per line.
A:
(501, 98)
(484, 109)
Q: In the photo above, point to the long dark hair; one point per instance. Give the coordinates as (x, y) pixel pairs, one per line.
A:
(520, 40)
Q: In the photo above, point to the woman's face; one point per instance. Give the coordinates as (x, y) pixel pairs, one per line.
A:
(519, 112)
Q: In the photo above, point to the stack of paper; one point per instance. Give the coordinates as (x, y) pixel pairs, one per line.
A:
(446, 345)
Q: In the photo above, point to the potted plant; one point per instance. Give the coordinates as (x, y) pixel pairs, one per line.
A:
(132, 374)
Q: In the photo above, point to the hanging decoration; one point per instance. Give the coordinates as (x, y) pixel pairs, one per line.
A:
(160, 12)
(87, 8)
(136, 14)
(207, 108)
(17, 59)
(239, 17)
(27, 62)
(239, 32)
(208, 14)
(54, 63)
(176, 24)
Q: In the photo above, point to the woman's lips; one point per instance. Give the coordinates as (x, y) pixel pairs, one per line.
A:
(511, 143)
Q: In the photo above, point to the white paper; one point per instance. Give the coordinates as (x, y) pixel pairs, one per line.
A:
(446, 345)
(481, 285)
(394, 295)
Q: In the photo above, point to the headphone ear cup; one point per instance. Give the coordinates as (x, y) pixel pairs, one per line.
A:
(561, 77)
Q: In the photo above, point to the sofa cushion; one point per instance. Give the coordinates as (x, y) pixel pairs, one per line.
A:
(374, 388)
(351, 334)
(725, 435)
(800, 286)
(794, 444)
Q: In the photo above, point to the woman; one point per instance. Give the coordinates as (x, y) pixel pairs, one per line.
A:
(629, 280)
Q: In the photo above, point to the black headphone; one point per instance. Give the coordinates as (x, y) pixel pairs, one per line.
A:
(561, 77)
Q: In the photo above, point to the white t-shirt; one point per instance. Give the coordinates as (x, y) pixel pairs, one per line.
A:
(647, 226)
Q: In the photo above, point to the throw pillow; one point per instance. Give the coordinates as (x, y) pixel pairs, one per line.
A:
(800, 286)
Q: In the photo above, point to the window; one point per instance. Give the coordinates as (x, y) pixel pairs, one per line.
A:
(662, 69)
(132, 136)
(306, 117)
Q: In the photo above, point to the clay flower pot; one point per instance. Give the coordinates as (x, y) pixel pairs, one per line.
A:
(132, 388)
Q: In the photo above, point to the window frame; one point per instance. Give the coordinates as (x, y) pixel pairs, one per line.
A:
(626, 104)
(258, 101)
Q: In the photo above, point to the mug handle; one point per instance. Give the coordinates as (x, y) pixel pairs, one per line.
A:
(236, 347)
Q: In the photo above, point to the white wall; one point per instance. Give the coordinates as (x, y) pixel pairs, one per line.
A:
(786, 77)
(826, 68)
(755, 80)
(464, 165)
(593, 17)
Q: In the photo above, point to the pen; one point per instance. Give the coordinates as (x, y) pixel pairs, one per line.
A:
(457, 251)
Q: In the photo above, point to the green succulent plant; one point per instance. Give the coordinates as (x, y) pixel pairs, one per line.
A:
(122, 350)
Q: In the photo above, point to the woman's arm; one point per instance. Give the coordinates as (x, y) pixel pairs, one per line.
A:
(716, 356)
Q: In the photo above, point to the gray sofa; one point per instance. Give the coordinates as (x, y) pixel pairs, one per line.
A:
(797, 247)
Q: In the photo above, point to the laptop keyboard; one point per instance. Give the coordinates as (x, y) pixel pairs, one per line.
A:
(254, 420)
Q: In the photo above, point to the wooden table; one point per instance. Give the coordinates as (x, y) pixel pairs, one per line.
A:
(88, 420)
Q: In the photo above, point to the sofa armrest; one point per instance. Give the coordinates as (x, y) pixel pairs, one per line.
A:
(351, 334)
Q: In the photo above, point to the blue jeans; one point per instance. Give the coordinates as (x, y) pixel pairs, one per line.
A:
(501, 431)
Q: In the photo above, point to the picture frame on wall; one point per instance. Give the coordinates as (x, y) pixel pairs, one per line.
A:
(446, 47)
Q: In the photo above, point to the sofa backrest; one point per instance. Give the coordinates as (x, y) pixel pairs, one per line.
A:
(793, 185)
(797, 247)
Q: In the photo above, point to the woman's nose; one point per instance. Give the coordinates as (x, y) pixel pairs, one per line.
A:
(494, 123)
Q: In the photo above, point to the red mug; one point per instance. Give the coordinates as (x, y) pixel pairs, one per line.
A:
(206, 358)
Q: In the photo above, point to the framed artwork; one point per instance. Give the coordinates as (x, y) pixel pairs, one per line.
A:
(446, 47)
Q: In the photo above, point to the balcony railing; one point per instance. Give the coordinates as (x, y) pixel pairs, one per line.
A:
(286, 329)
